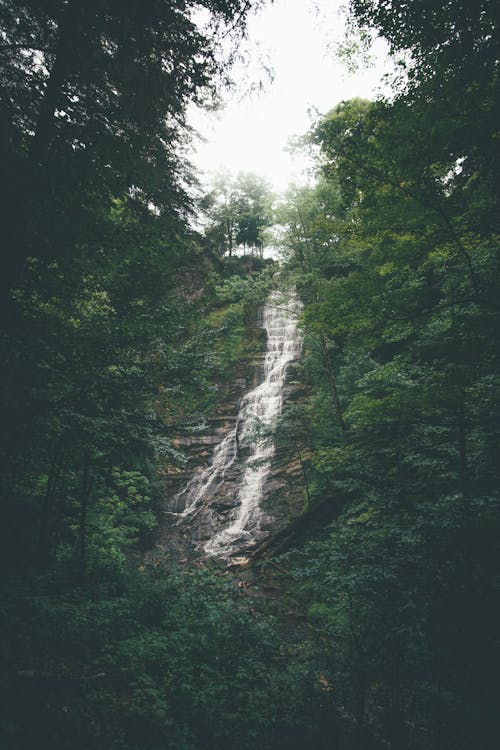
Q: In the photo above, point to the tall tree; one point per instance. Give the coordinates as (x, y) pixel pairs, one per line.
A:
(94, 97)
(95, 318)
(237, 210)
(405, 291)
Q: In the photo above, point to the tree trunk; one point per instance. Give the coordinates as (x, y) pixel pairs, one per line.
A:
(229, 238)
(396, 727)
(331, 381)
(479, 645)
(56, 469)
(64, 54)
(304, 476)
(84, 503)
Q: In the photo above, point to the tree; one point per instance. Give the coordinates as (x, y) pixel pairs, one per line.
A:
(254, 210)
(237, 210)
(95, 97)
(95, 317)
(399, 273)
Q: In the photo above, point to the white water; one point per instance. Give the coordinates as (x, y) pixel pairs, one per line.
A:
(258, 411)
(204, 484)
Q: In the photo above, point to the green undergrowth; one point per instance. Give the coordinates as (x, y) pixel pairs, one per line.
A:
(108, 658)
(234, 298)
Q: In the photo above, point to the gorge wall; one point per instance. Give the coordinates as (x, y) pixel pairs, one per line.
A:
(236, 489)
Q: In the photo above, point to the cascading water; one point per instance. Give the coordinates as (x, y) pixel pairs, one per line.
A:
(258, 410)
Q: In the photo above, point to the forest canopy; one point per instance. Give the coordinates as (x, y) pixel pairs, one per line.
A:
(128, 299)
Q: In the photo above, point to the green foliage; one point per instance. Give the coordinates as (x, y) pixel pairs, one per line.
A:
(395, 251)
(115, 329)
(247, 290)
(144, 659)
(237, 210)
(100, 333)
(122, 514)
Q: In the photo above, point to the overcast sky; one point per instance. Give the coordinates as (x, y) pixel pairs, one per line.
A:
(298, 38)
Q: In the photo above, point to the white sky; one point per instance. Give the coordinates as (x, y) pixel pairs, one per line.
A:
(298, 37)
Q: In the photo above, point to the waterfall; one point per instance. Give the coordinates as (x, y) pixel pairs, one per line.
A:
(252, 435)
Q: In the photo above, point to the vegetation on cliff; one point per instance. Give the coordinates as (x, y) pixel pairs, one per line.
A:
(395, 251)
(118, 320)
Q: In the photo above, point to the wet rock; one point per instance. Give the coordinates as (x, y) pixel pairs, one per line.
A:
(294, 391)
(219, 507)
(223, 508)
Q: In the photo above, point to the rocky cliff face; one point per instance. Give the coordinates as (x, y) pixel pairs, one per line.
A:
(283, 491)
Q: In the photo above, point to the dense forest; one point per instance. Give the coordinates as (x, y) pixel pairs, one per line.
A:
(129, 294)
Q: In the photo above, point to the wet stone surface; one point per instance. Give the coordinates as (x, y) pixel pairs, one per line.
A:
(235, 491)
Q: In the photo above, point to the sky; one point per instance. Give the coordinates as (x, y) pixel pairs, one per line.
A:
(298, 39)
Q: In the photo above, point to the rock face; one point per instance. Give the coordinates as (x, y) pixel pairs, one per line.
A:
(205, 510)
